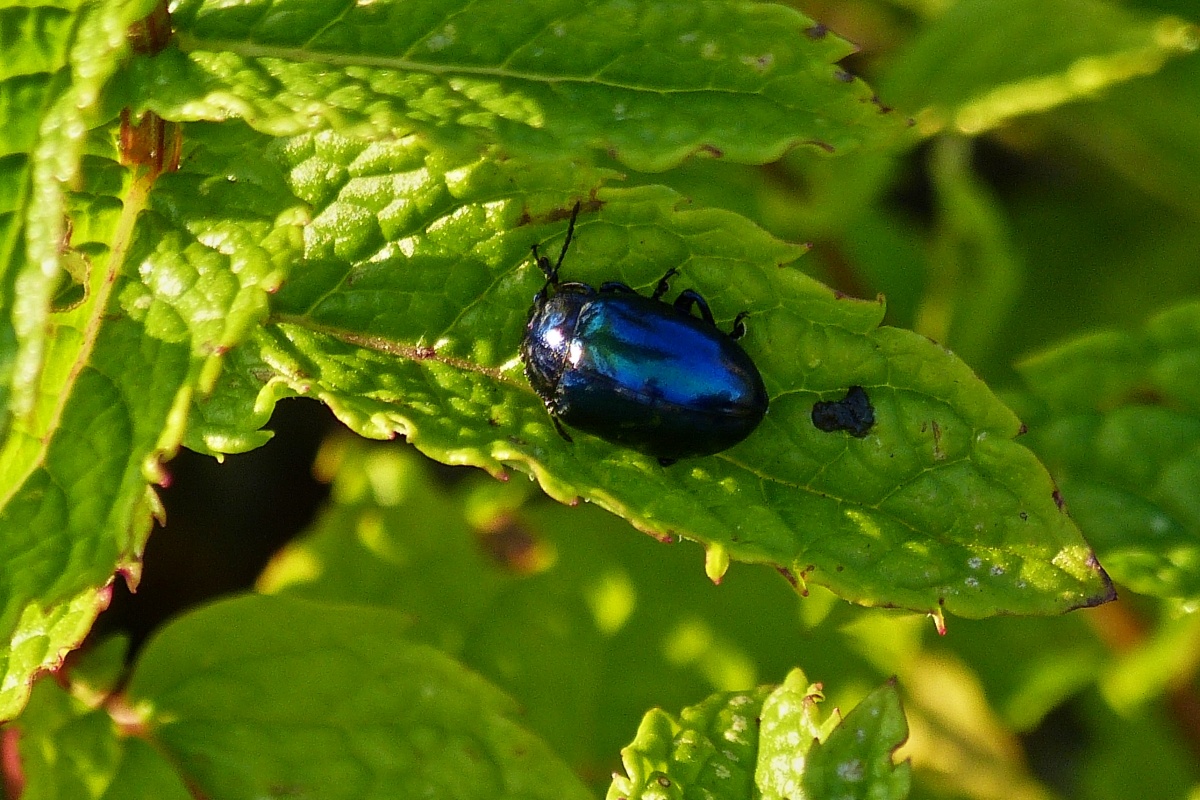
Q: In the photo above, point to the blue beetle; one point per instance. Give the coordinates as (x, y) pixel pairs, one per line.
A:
(637, 371)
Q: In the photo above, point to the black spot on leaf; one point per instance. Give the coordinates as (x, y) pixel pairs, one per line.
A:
(853, 414)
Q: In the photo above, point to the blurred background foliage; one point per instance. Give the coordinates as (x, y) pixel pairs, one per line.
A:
(1048, 196)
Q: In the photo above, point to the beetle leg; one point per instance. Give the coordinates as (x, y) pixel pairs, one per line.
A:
(611, 287)
(561, 431)
(663, 286)
(690, 297)
(544, 265)
(739, 327)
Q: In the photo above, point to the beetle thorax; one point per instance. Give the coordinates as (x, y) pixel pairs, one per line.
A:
(550, 336)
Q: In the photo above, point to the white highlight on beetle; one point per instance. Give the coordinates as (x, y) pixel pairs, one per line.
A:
(574, 353)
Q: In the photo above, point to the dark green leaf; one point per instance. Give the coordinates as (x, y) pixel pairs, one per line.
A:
(1119, 425)
(70, 750)
(362, 713)
(584, 622)
(984, 62)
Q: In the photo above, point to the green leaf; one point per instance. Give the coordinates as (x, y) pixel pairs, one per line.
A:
(405, 318)
(144, 774)
(40, 641)
(974, 271)
(650, 83)
(1117, 420)
(176, 277)
(770, 743)
(984, 62)
(586, 623)
(66, 749)
(362, 712)
(73, 502)
(100, 667)
(56, 62)
(1146, 131)
(71, 750)
(856, 759)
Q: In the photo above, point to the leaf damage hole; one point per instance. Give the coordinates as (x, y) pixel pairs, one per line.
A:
(853, 414)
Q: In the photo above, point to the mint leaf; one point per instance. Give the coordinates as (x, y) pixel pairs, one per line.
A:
(582, 620)
(412, 325)
(769, 742)
(71, 508)
(363, 712)
(125, 288)
(974, 272)
(50, 87)
(984, 62)
(1145, 132)
(1117, 420)
(855, 760)
(71, 749)
(177, 276)
(650, 83)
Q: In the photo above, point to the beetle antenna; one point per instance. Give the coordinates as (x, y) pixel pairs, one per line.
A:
(551, 272)
(567, 241)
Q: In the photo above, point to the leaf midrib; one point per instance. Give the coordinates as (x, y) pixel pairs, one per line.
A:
(190, 43)
(133, 204)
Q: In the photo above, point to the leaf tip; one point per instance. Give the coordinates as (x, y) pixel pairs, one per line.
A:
(130, 572)
(1107, 593)
(938, 615)
(716, 563)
